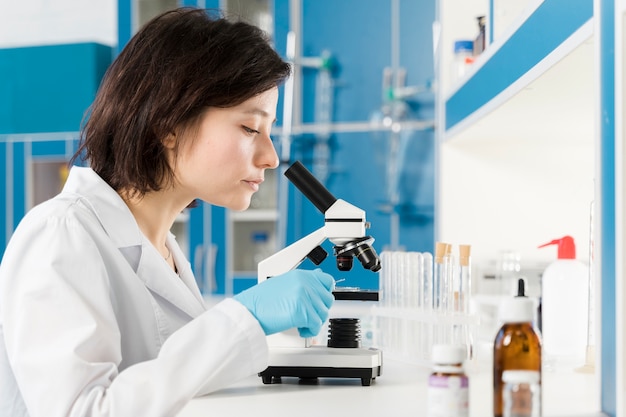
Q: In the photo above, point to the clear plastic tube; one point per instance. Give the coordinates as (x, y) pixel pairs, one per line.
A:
(395, 280)
(438, 275)
(427, 281)
(446, 285)
(416, 262)
(382, 323)
(426, 328)
(383, 278)
(465, 279)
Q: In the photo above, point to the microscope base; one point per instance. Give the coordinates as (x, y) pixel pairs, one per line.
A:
(323, 362)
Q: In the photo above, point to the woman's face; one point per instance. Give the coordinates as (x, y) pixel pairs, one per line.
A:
(225, 164)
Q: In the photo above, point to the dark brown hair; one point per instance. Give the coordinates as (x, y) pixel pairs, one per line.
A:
(179, 64)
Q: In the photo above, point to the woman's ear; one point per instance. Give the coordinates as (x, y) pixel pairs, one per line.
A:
(170, 141)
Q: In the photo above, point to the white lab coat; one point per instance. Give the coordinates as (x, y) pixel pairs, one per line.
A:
(93, 322)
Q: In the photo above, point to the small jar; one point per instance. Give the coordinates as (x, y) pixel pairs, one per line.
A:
(448, 386)
(521, 393)
(463, 58)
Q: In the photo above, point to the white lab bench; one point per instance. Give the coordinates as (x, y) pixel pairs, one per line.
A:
(400, 391)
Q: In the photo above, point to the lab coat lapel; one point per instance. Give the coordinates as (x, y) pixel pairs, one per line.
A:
(159, 278)
(184, 268)
(120, 225)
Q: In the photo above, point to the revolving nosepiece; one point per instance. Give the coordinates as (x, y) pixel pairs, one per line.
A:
(361, 249)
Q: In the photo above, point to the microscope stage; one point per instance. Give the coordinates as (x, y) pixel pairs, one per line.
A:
(322, 361)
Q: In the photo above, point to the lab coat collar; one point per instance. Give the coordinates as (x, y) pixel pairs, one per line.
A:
(121, 226)
(108, 206)
(180, 290)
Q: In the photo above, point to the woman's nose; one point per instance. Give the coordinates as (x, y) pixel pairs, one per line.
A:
(267, 156)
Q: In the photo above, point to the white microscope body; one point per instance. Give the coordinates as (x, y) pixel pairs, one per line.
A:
(345, 226)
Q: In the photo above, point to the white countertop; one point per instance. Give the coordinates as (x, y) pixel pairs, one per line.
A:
(400, 391)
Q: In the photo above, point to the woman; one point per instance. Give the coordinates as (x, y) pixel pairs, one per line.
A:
(100, 314)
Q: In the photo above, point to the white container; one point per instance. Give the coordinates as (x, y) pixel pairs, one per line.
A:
(564, 309)
(448, 386)
(463, 59)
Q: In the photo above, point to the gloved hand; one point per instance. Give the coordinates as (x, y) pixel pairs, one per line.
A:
(297, 298)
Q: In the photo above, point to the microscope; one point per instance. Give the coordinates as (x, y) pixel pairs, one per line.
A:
(344, 226)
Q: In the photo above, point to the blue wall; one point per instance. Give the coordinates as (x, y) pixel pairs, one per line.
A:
(358, 35)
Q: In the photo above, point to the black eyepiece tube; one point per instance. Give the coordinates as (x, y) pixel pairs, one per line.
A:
(310, 186)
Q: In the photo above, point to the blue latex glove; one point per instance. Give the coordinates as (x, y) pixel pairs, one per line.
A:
(298, 298)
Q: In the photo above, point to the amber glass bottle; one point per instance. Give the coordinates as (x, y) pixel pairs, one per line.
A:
(517, 345)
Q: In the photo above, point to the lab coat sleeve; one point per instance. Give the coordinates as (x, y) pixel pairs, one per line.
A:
(63, 342)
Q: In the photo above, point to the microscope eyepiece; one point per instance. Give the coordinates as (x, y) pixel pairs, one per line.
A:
(361, 249)
(310, 186)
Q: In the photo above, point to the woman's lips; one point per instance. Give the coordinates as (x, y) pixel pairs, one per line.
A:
(254, 184)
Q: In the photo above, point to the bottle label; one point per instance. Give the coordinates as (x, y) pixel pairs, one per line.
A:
(520, 400)
(448, 396)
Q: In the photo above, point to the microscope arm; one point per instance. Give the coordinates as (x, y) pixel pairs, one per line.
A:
(343, 222)
(290, 257)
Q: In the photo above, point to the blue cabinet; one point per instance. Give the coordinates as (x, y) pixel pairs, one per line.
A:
(45, 92)
(35, 167)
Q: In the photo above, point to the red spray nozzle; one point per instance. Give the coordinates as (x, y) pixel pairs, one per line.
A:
(567, 247)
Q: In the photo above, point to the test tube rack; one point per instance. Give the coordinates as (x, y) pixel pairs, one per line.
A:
(423, 301)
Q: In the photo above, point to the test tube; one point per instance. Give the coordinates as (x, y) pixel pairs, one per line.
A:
(395, 300)
(394, 282)
(463, 334)
(426, 330)
(415, 262)
(438, 272)
(400, 330)
(382, 280)
(427, 281)
(383, 294)
(447, 280)
(465, 278)
(447, 294)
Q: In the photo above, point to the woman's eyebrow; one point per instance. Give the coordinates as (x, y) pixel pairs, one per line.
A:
(258, 112)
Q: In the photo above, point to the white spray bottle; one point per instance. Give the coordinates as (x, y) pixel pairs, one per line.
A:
(564, 309)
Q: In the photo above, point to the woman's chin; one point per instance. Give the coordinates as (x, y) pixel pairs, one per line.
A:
(239, 205)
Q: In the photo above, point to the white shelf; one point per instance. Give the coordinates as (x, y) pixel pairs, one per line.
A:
(549, 97)
(516, 157)
(549, 33)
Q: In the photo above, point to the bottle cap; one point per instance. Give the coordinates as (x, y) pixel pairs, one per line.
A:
(441, 249)
(566, 245)
(519, 309)
(464, 255)
(464, 45)
(448, 354)
(518, 376)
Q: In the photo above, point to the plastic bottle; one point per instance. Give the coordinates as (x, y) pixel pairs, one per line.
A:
(448, 386)
(463, 58)
(522, 394)
(517, 345)
(564, 306)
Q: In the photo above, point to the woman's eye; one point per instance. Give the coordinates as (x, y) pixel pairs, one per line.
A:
(250, 131)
